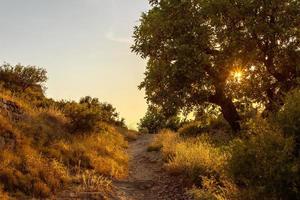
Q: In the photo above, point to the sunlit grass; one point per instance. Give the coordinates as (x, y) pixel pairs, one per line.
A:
(41, 157)
(199, 159)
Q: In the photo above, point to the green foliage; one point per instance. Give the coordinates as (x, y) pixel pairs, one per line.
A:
(154, 120)
(186, 67)
(289, 116)
(263, 164)
(19, 78)
(106, 111)
(194, 46)
(85, 115)
(81, 117)
(27, 82)
(258, 165)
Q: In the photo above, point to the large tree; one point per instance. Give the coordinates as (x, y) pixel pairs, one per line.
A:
(192, 46)
(268, 35)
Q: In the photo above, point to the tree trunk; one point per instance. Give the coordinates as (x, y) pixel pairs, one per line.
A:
(228, 109)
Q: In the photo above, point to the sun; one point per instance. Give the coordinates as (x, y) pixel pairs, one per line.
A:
(237, 75)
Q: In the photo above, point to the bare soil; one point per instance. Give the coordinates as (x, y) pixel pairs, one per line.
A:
(147, 179)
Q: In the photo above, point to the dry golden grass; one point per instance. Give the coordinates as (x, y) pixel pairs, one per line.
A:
(23, 106)
(196, 156)
(105, 152)
(39, 156)
(200, 160)
(165, 141)
(93, 182)
(213, 189)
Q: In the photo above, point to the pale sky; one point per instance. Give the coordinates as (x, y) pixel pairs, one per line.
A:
(83, 44)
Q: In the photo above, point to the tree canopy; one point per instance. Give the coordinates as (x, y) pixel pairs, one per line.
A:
(192, 47)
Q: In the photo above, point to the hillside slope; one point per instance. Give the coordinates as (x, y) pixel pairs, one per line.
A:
(40, 156)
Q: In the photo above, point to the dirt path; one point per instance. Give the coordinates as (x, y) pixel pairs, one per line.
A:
(147, 180)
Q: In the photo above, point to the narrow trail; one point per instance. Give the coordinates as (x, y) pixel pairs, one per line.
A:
(147, 179)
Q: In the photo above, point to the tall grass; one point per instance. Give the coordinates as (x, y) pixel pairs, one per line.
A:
(257, 165)
(198, 159)
(39, 156)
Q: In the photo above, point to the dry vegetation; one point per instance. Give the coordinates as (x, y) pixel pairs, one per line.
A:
(41, 153)
(39, 156)
(261, 163)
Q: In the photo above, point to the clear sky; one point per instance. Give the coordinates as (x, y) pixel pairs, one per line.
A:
(83, 44)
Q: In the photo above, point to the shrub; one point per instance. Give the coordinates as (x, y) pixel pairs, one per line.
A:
(260, 164)
(88, 113)
(263, 165)
(82, 118)
(19, 78)
(192, 129)
(105, 153)
(288, 117)
(155, 120)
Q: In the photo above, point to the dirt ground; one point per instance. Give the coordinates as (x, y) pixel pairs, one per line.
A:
(147, 179)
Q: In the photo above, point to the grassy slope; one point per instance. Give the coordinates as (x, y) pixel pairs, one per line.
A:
(39, 157)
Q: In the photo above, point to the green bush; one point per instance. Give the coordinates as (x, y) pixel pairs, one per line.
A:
(88, 113)
(155, 120)
(82, 119)
(288, 117)
(19, 78)
(263, 165)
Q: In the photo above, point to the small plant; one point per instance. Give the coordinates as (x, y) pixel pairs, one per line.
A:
(93, 182)
(213, 189)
